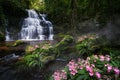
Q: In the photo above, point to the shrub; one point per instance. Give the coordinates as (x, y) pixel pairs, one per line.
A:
(87, 44)
(29, 62)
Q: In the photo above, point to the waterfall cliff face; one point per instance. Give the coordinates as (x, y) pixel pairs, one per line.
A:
(35, 27)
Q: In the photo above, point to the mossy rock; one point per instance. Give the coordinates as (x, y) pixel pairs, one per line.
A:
(59, 36)
(47, 59)
(18, 42)
(64, 44)
(67, 40)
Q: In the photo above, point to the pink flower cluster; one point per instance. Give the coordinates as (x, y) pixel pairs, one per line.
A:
(36, 46)
(110, 68)
(32, 49)
(117, 71)
(89, 65)
(104, 58)
(75, 66)
(90, 70)
(60, 75)
(98, 75)
(72, 67)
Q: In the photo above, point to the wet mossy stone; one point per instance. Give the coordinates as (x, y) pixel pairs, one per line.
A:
(47, 59)
(18, 42)
(65, 43)
(59, 36)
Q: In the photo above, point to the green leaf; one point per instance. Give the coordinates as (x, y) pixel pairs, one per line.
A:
(114, 63)
(82, 77)
(81, 71)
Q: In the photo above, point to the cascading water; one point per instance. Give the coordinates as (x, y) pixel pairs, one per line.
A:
(7, 36)
(35, 27)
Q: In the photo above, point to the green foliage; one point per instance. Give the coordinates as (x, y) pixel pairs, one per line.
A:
(62, 10)
(36, 57)
(38, 5)
(85, 47)
(29, 62)
(115, 55)
(43, 48)
(89, 43)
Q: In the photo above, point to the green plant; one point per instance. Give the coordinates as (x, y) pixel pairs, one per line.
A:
(114, 54)
(29, 62)
(87, 46)
(36, 57)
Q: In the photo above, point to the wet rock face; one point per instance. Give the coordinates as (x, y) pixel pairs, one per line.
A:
(7, 48)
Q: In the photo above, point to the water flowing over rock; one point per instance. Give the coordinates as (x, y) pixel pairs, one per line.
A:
(34, 27)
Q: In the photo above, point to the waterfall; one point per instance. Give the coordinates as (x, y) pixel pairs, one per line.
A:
(35, 27)
(8, 36)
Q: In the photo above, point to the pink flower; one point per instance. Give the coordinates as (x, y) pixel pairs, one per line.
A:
(92, 65)
(107, 58)
(102, 58)
(95, 56)
(88, 68)
(88, 58)
(98, 75)
(32, 49)
(79, 60)
(91, 73)
(109, 68)
(36, 46)
(94, 60)
(73, 67)
(106, 65)
(117, 71)
(80, 67)
(73, 72)
(60, 75)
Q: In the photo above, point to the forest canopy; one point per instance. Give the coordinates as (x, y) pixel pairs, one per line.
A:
(61, 10)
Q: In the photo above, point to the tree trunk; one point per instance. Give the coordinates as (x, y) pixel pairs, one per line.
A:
(73, 16)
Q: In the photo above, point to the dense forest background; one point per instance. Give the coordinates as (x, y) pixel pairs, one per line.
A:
(65, 14)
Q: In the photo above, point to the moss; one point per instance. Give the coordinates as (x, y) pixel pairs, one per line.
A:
(47, 59)
(18, 42)
(59, 36)
(64, 45)
(65, 42)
